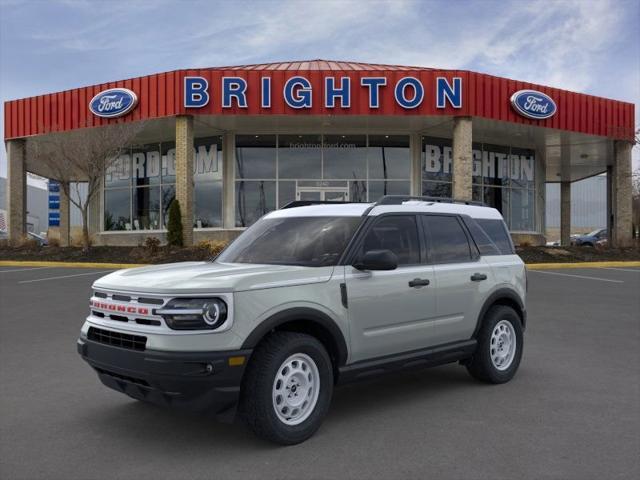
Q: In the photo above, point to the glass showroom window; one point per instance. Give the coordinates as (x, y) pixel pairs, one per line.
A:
(140, 186)
(503, 178)
(275, 170)
(436, 167)
(207, 177)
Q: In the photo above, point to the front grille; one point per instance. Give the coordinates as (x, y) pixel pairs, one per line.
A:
(116, 339)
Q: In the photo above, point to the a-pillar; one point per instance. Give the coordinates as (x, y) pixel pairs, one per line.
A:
(565, 213)
(184, 174)
(621, 190)
(16, 191)
(462, 158)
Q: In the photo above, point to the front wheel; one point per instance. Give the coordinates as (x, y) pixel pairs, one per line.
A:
(499, 349)
(287, 388)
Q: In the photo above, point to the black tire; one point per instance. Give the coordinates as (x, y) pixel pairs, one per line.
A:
(480, 366)
(256, 402)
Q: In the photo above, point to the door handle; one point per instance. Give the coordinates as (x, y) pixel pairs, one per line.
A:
(477, 277)
(418, 282)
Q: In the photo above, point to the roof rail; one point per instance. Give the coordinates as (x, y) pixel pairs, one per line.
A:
(306, 203)
(399, 199)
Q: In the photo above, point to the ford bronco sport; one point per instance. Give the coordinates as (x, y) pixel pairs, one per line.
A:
(308, 297)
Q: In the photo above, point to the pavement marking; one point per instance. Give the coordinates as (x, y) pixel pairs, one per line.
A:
(23, 269)
(558, 266)
(622, 269)
(65, 276)
(579, 276)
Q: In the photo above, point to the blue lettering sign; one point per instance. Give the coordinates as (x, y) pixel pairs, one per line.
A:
(196, 94)
(401, 94)
(444, 92)
(297, 92)
(234, 87)
(266, 92)
(331, 92)
(373, 84)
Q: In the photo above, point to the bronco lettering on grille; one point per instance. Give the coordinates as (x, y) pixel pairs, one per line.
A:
(111, 307)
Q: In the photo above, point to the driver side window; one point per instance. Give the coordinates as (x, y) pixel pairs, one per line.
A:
(398, 233)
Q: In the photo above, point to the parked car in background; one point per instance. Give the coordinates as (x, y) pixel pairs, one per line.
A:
(41, 239)
(590, 239)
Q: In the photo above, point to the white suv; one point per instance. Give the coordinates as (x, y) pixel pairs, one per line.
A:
(308, 297)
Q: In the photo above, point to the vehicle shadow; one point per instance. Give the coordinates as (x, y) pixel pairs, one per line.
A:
(154, 425)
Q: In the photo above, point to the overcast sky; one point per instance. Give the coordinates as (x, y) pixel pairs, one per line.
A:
(581, 45)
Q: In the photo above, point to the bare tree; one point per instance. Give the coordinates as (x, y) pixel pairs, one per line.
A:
(82, 156)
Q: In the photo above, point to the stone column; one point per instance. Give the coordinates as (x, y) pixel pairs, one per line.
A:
(228, 180)
(65, 218)
(415, 147)
(16, 191)
(462, 158)
(184, 174)
(621, 192)
(565, 213)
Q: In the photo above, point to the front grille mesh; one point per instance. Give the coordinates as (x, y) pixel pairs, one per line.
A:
(116, 339)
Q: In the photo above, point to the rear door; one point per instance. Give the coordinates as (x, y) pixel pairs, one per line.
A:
(462, 278)
(391, 311)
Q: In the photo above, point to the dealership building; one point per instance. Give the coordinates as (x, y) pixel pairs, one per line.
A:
(233, 143)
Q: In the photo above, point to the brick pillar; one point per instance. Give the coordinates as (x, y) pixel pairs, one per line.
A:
(16, 191)
(228, 180)
(621, 195)
(565, 213)
(65, 218)
(415, 147)
(184, 174)
(462, 158)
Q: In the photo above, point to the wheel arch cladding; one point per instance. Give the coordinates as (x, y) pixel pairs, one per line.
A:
(304, 320)
(506, 297)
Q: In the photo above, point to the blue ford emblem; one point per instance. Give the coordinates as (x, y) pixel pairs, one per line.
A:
(114, 102)
(533, 104)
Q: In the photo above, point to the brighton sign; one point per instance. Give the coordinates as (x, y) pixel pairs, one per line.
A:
(533, 104)
(408, 92)
(113, 103)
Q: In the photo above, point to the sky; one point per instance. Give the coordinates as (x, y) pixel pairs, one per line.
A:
(581, 45)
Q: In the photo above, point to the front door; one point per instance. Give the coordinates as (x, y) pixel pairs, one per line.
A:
(391, 311)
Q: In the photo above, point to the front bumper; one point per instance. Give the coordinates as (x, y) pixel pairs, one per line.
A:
(197, 381)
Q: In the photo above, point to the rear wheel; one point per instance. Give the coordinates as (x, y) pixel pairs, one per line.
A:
(287, 388)
(499, 349)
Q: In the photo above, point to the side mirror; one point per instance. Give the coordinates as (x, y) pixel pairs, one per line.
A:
(377, 260)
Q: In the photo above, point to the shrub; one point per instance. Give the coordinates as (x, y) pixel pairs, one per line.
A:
(54, 242)
(174, 226)
(152, 245)
(213, 247)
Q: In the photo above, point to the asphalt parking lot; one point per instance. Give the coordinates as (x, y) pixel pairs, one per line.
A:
(572, 411)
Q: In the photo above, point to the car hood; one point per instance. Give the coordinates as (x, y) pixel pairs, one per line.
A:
(210, 277)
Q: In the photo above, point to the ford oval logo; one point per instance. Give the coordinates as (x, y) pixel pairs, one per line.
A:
(114, 102)
(533, 104)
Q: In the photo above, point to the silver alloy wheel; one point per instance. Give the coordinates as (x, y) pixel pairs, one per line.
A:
(296, 389)
(503, 345)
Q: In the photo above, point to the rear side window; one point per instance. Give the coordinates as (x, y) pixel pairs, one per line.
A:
(448, 242)
(482, 240)
(497, 232)
(397, 233)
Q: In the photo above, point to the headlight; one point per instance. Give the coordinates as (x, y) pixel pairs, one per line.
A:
(194, 313)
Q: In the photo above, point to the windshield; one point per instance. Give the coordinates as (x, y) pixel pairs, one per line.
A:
(305, 241)
(594, 233)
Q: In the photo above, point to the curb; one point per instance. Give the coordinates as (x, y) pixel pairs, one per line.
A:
(553, 266)
(18, 263)
(530, 266)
